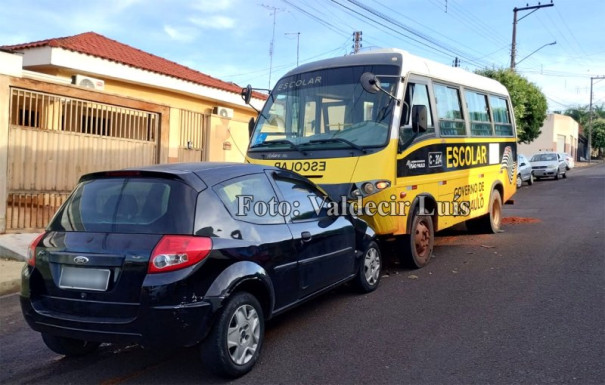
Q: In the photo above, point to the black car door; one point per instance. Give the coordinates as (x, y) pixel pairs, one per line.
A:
(325, 243)
(262, 234)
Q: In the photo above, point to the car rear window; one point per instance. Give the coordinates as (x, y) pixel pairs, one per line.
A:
(128, 205)
(543, 157)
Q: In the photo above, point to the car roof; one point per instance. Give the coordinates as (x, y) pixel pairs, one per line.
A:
(199, 175)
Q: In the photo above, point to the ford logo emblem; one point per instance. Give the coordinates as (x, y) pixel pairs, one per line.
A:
(81, 260)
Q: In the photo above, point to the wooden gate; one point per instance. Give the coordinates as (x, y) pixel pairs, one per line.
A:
(54, 139)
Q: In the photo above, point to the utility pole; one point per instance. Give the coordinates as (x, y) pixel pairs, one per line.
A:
(456, 62)
(590, 117)
(357, 41)
(513, 50)
(297, 43)
(274, 10)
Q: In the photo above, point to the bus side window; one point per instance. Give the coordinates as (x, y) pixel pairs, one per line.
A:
(415, 94)
(478, 112)
(449, 111)
(501, 113)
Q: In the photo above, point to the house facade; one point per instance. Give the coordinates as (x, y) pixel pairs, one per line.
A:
(559, 133)
(86, 103)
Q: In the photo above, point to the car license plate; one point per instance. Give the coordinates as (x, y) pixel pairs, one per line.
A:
(86, 279)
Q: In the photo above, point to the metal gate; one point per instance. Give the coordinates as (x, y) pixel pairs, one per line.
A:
(192, 130)
(54, 139)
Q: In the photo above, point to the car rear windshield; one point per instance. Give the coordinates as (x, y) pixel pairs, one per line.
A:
(543, 157)
(128, 205)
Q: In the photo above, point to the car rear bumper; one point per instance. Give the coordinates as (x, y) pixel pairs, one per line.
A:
(544, 173)
(180, 325)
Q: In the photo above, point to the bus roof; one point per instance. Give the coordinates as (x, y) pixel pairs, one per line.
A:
(410, 64)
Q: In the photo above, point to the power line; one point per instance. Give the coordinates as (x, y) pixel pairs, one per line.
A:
(420, 38)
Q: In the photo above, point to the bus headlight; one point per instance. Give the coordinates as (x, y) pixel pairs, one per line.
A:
(367, 188)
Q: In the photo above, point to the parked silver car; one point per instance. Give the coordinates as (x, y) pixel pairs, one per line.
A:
(524, 171)
(548, 165)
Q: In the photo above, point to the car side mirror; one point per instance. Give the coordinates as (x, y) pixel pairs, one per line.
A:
(522, 164)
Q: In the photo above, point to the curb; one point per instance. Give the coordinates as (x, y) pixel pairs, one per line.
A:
(10, 287)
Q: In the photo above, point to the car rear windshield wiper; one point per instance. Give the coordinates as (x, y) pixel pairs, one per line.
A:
(339, 140)
(280, 141)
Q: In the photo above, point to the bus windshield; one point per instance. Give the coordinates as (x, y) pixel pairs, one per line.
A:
(327, 109)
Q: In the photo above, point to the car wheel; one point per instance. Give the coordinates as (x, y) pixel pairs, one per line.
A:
(565, 175)
(519, 181)
(368, 275)
(557, 175)
(418, 245)
(234, 343)
(490, 222)
(531, 179)
(69, 346)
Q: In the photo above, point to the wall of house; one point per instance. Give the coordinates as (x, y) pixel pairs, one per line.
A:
(10, 65)
(227, 138)
(558, 133)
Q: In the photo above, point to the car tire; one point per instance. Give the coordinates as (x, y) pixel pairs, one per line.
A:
(370, 269)
(565, 175)
(418, 245)
(557, 175)
(530, 181)
(519, 181)
(235, 341)
(69, 346)
(490, 222)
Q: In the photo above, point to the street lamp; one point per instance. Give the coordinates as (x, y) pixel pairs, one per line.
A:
(553, 43)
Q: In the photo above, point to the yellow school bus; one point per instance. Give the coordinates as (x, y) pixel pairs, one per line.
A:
(410, 145)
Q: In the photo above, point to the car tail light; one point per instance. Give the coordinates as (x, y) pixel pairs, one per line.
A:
(175, 252)
(31, 250)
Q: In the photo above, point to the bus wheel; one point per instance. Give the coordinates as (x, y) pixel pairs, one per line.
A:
(418, 246)
(490, 222)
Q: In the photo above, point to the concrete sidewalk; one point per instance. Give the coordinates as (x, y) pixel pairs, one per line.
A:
(13, 253)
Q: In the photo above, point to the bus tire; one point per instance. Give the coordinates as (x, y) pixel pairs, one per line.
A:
(490, 222)
(418, 245)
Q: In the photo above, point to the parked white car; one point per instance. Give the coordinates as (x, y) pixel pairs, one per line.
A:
(524, 171)
(568, 160)
(548, 165)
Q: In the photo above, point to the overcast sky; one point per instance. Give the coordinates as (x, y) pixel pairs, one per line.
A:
(231, 39)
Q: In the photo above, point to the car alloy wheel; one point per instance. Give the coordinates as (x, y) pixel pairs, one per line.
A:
(234, 343)
(243, 334)
(370, 268)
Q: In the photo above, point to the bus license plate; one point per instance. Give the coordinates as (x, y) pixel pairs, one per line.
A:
(84, 279)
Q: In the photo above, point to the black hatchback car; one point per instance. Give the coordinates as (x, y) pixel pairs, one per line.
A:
(183, 254)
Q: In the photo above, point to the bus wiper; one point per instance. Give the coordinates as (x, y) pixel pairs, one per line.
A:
(383, 112)
(339, 140)
(279, 141)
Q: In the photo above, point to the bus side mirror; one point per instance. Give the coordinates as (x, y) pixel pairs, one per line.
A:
(369, 82)
(247, 94)
(419, 118)
(250, 127)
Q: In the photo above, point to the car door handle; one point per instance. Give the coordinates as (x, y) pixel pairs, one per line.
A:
(305, 236)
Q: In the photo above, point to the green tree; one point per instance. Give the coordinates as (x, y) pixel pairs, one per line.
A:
(581, 114)
(528, 101)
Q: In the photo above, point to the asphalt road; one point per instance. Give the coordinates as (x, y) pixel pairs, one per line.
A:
(523, 306)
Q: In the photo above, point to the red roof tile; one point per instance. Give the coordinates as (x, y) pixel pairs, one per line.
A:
(93, 44)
